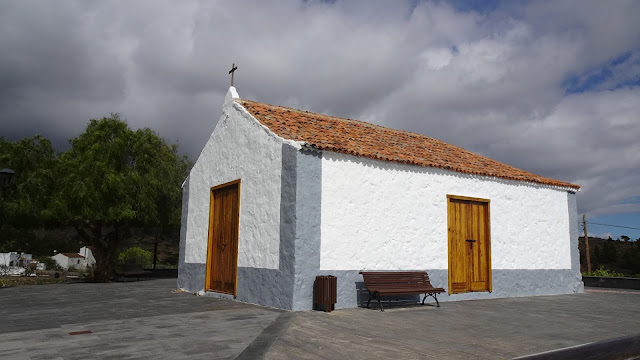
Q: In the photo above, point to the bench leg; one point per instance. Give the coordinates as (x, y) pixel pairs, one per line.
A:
(370, 297)
(375, 296)
(434, 296)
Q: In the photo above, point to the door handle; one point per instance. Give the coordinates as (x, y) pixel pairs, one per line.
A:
(470, 241)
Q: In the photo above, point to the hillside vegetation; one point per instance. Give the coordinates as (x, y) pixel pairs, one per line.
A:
(621, 256)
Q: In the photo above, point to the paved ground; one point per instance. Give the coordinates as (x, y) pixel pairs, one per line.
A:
(479, 329)
(149, 319)
(127, 320)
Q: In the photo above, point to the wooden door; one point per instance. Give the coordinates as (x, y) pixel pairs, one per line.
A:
(469, 244)
(222, 255)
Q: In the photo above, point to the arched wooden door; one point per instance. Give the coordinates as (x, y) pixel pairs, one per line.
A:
(469, 244)
(222, 254)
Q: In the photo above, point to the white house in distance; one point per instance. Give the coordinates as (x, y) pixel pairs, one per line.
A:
(13, 263)
(88, 255)
(280, 195)
(15, 259)
(79, 260)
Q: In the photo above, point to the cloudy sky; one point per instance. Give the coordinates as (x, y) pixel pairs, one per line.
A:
(552, 87)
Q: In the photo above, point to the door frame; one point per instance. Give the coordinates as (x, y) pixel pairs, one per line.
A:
(488, 232)
(207, 277)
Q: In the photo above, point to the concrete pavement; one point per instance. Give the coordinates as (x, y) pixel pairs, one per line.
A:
(149, 319)
(145, 319)
(478, 329)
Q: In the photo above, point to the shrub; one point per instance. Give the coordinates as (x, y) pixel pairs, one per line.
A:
(603, 272)
(136, 255)
(49, 263)
(171, 259)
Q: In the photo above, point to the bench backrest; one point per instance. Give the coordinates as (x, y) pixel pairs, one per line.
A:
(395, 278)
(128, 267)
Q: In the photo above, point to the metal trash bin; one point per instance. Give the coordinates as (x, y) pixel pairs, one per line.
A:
(326, 292)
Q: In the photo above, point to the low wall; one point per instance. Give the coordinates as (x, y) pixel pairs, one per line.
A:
(163, 273)
(612, 282)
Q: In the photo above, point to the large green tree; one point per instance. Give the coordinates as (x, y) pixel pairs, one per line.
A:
(22, 204)
(114, 178)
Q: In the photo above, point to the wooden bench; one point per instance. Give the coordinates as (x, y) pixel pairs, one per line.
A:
(380, 283)
(130, 270)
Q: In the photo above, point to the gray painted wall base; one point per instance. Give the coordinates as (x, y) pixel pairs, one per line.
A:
(191, 277)
(256, 286)
(506, 283)
(267, 287)
(217, 295)
(262, 286)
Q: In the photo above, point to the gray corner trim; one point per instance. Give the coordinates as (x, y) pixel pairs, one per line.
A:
(184, 218)
(573, 231)
(574, 239)
(308, 236)
(274, 287)
(288, 199)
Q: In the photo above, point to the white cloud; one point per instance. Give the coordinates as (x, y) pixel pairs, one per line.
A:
(491, 82)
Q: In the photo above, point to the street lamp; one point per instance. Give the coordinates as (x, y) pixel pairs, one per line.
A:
(6, 175)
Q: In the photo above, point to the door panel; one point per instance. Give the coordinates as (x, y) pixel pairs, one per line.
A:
(480, 272)
(457, 248)
(469, 244)
(223, 238)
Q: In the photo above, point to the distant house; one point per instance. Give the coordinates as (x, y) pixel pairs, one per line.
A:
(88, 255)
(14, 263)
(67, 260)
(81, 259)
(15, 259)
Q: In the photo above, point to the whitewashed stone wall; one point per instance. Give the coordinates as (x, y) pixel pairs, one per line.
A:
(386, 216)
(239, 148)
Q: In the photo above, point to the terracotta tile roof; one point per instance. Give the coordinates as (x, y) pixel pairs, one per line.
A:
(72, 255)
(359, 138)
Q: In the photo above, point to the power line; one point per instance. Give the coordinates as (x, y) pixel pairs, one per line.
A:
(618, 226)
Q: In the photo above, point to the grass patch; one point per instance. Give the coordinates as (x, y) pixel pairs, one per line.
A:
(8, 281)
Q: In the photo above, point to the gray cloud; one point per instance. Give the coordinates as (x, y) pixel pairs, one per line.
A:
(492, 81)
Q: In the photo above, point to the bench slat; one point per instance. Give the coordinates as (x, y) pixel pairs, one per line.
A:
(398, 283)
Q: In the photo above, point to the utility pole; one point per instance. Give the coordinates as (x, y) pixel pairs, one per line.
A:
(586, 241)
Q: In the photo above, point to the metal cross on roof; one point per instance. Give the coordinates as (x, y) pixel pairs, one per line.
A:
(233, 69)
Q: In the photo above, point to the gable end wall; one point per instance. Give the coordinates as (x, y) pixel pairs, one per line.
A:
(239, 148)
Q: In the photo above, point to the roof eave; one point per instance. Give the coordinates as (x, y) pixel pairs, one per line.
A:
(564, 186)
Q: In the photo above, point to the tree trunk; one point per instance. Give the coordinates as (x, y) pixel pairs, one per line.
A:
(104, 246)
